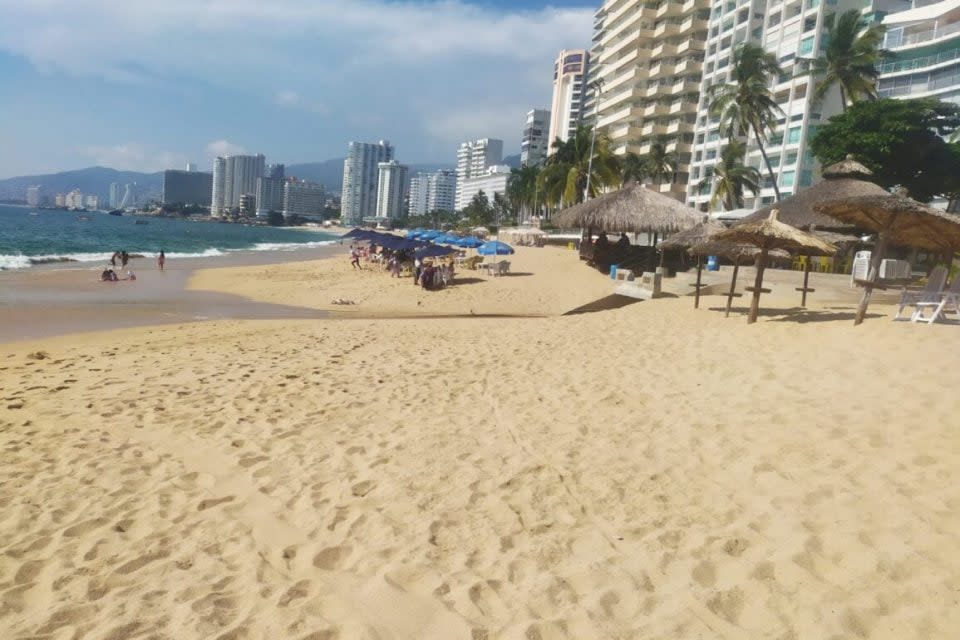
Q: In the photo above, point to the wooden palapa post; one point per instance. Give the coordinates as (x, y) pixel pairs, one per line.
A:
(871, 282)
(696, 295)
(757, 287)
(733, 286)
(806, 280)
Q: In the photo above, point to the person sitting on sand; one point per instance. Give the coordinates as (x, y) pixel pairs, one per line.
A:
(131, 276)
(105, 276)
(624, 241)
(601, 242)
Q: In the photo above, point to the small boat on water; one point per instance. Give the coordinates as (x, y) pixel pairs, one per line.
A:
(83, 218)
(116, 212)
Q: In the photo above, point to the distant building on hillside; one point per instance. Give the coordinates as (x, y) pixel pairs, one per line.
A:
(442, 191)
(566, 112)
(535, 142)
(186, 187)
(248, 205)
(115, 195)
(74, 200)
(361, 173)
(35, 195)
(419, 185)
(60, 200)
(91, 201)
(304, 199)
(392, 185)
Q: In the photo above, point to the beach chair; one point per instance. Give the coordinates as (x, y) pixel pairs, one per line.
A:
(947, 300)
(930, 293)
(503, 267)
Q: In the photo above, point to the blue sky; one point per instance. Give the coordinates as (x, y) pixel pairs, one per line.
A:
(144, 85)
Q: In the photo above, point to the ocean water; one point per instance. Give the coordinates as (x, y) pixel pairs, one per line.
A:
(38, 236)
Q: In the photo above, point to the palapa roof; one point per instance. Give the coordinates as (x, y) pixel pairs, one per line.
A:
(692, 236)
(912, 223)
(844, 179)
(634, 209)
(700, 241)
(773, 234)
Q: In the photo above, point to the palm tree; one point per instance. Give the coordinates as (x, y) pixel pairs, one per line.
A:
(522, 188)
(731, 176)
(633, 168)
(660, 163)
(850, 59)
(564, 176)
(746, 104)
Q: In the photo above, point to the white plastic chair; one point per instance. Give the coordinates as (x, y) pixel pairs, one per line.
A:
(930, 293)
(949, 299)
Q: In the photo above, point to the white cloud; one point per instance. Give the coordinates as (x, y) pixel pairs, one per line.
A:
(223, 148)
(365, 68)
(133, 156)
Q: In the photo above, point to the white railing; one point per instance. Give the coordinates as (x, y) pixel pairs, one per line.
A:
(895, 39)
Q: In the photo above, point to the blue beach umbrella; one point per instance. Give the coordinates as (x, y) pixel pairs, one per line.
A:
(433, 251)
(495, 248)
(357, 232)
(429, 235)
(469, 242)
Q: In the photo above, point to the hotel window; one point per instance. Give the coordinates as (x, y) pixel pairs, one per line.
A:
(793, 135)
(787, 179)
(711, 154)
(774, 160)
(791, 157)
(713, 137)
(806, 46)
(806, 178)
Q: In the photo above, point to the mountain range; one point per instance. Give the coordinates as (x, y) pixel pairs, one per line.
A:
(97, 180)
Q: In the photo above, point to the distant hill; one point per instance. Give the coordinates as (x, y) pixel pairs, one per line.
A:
(513, 161)
(97, 180)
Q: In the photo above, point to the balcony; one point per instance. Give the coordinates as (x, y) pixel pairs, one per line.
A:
(680, 127)
(669, 9)
(665, 49)
(661, 68)
(678, 146)
(676, 107)
(684, 86)
(654, 89)
(619, 132)
(688, 6)
(652, 129)
(654, 109)
(898, 39)
(693, 24)
(919, 63)
(919, 88)
(690, 45)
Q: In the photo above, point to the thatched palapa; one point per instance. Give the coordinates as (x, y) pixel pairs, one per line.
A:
(847, 178)
(632, 209)
(772, 234)
(896, 219)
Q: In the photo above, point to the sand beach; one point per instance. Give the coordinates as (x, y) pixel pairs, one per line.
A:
(401, 469)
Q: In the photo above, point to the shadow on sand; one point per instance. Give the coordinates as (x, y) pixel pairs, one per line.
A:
(799, 314)
(614, 301)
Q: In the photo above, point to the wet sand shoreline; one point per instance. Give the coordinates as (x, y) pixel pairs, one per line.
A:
(62, 298)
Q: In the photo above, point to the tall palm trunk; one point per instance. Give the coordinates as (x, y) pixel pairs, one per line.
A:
(766, 161)
(843, 99)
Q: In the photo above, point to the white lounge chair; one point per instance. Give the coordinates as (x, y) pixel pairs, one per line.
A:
(504, 267)
(930, 293)
(947, 300)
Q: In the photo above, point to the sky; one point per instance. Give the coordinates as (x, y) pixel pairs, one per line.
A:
(146, 85)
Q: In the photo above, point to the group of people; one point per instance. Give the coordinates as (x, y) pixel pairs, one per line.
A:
(109, 273)
(427, 273)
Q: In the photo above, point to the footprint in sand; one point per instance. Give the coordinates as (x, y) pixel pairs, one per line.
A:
(212, 502)
(297, 591)
(84, 527)
(331, 557)
(361, 489)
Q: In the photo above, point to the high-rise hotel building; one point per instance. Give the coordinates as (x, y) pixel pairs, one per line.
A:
(649, 56)
(433, 192)
(535, 141)
(233, 178)
(794, 32)
(569, 91)
(361, 173)
(392, 186)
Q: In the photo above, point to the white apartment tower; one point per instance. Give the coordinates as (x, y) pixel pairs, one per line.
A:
(491, 182)
(442, 191)
(793, 31)
(391, 189)
(306, 199)
(219, 182)
(569, 90)
(473, 159)
(241, 178)
(419, 185)
(361, 173)
(649, 57)
(34, 195)
(535, 142)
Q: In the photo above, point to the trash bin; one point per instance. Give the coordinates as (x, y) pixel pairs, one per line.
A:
(613, 272)
(713, 264)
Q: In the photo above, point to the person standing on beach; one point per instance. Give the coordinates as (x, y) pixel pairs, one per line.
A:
(124, 258)
(355, 259)
(161, 259)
